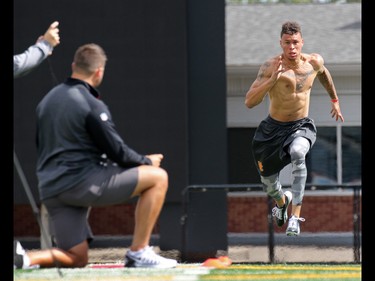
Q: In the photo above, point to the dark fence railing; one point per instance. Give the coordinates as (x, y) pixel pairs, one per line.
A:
(356, 188)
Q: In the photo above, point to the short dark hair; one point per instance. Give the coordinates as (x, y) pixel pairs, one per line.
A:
(290, 27)
(89, 57)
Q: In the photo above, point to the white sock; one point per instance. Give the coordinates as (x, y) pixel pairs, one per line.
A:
(139, 252)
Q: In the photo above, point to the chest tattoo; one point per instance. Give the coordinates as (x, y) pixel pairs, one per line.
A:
(301, 79)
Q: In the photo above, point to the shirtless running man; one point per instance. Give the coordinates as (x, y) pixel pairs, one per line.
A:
(287, 134)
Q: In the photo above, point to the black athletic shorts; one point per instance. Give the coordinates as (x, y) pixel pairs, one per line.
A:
(271, 141)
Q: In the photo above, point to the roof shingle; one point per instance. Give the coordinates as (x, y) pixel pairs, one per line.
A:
(332, 30)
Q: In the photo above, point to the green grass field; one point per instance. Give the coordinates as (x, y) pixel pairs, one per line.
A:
(196, 272)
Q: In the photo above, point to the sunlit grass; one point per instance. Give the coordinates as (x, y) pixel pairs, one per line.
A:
(190, 272)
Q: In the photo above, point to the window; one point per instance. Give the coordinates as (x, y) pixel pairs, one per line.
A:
(336, 156)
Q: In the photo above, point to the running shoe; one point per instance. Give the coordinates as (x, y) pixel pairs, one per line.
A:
(148, 258)
(18, 253)
(281, 214)
(293, 228)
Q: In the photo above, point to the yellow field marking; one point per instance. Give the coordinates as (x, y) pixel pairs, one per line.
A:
(276, 267)
(291, 267)
(339, 276)
(194, 272)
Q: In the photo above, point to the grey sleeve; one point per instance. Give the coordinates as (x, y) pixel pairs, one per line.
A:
(25, 62)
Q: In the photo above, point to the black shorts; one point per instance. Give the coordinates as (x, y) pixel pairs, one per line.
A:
(271, 141)
(68, 212)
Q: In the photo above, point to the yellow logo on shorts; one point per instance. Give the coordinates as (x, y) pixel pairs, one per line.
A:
(260, 166)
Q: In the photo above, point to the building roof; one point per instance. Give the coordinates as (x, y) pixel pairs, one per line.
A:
(332, 30)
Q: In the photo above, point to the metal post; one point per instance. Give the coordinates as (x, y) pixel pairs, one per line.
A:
(356, 224)
(271, 233)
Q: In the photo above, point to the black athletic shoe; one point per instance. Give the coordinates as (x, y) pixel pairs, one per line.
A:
(281, 214)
